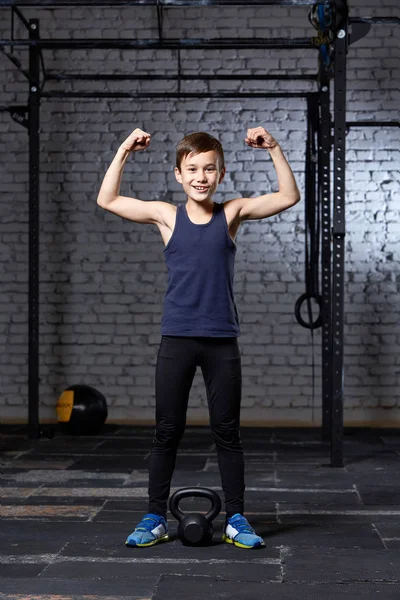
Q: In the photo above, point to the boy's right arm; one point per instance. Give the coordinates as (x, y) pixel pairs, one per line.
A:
(129, 208)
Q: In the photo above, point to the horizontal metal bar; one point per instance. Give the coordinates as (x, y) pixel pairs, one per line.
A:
(372, 124)
(167, 3)
(171, 44)
(164, 95)
(258, 94)
(373, 20)
(104, 77)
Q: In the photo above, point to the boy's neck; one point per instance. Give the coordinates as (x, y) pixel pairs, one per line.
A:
(200, 208)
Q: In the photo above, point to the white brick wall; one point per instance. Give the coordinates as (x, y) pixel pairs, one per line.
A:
(103, 279)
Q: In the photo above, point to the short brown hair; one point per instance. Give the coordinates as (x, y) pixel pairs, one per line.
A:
(196, 143)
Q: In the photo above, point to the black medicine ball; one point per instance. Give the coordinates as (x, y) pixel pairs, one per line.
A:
(81, 410)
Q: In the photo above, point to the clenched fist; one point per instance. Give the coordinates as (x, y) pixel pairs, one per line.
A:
(260, 138)
(138, 140)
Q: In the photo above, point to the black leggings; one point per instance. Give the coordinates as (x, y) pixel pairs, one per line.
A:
(220, 363)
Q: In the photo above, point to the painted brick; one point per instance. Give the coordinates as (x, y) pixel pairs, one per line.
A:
(103, 278)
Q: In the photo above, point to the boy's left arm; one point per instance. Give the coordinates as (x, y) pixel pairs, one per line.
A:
(288, 194)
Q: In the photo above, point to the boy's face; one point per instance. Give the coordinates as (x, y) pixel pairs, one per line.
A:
(200, 175)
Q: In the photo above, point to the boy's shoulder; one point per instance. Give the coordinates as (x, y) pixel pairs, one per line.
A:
(232, 209)
(167, 214)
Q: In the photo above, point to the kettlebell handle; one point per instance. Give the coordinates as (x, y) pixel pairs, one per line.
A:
(197, 492)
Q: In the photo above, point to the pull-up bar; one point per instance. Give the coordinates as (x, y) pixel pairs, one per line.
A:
(165, 44)
(62, 3)
(164, 95)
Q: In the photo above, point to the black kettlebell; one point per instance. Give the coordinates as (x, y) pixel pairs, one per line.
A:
(195, 529)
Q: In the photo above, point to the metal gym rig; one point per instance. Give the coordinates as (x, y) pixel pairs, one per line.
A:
(332, 22)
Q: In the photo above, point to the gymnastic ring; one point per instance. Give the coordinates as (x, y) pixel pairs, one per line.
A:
(318, 322)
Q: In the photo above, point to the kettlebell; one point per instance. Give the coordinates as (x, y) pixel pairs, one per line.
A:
(195, 529)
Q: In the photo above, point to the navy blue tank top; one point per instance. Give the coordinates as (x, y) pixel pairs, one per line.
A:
(200, 260)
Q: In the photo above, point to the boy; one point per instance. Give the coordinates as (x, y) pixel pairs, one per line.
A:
(200, 324)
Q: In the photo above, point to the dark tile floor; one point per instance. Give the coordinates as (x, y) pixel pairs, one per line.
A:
(68, 503)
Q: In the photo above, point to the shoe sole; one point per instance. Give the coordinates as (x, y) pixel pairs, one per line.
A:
(163, 538)
(229, 540)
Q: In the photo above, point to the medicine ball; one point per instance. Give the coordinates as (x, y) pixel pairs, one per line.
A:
(81, 410)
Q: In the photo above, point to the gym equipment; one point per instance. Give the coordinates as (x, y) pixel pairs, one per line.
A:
(81, 410)
(195, 529)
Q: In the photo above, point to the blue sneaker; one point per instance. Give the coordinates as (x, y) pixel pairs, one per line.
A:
(238, 531)
(151, 530)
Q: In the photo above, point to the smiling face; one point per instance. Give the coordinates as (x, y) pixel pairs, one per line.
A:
(200, 175)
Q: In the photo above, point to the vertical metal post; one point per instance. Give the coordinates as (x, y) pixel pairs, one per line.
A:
(160, 19)
(324, 192)
(33, 311)
(339, 234)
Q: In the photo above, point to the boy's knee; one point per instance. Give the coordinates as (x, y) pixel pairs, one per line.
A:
(227, 434)
(168, 433)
